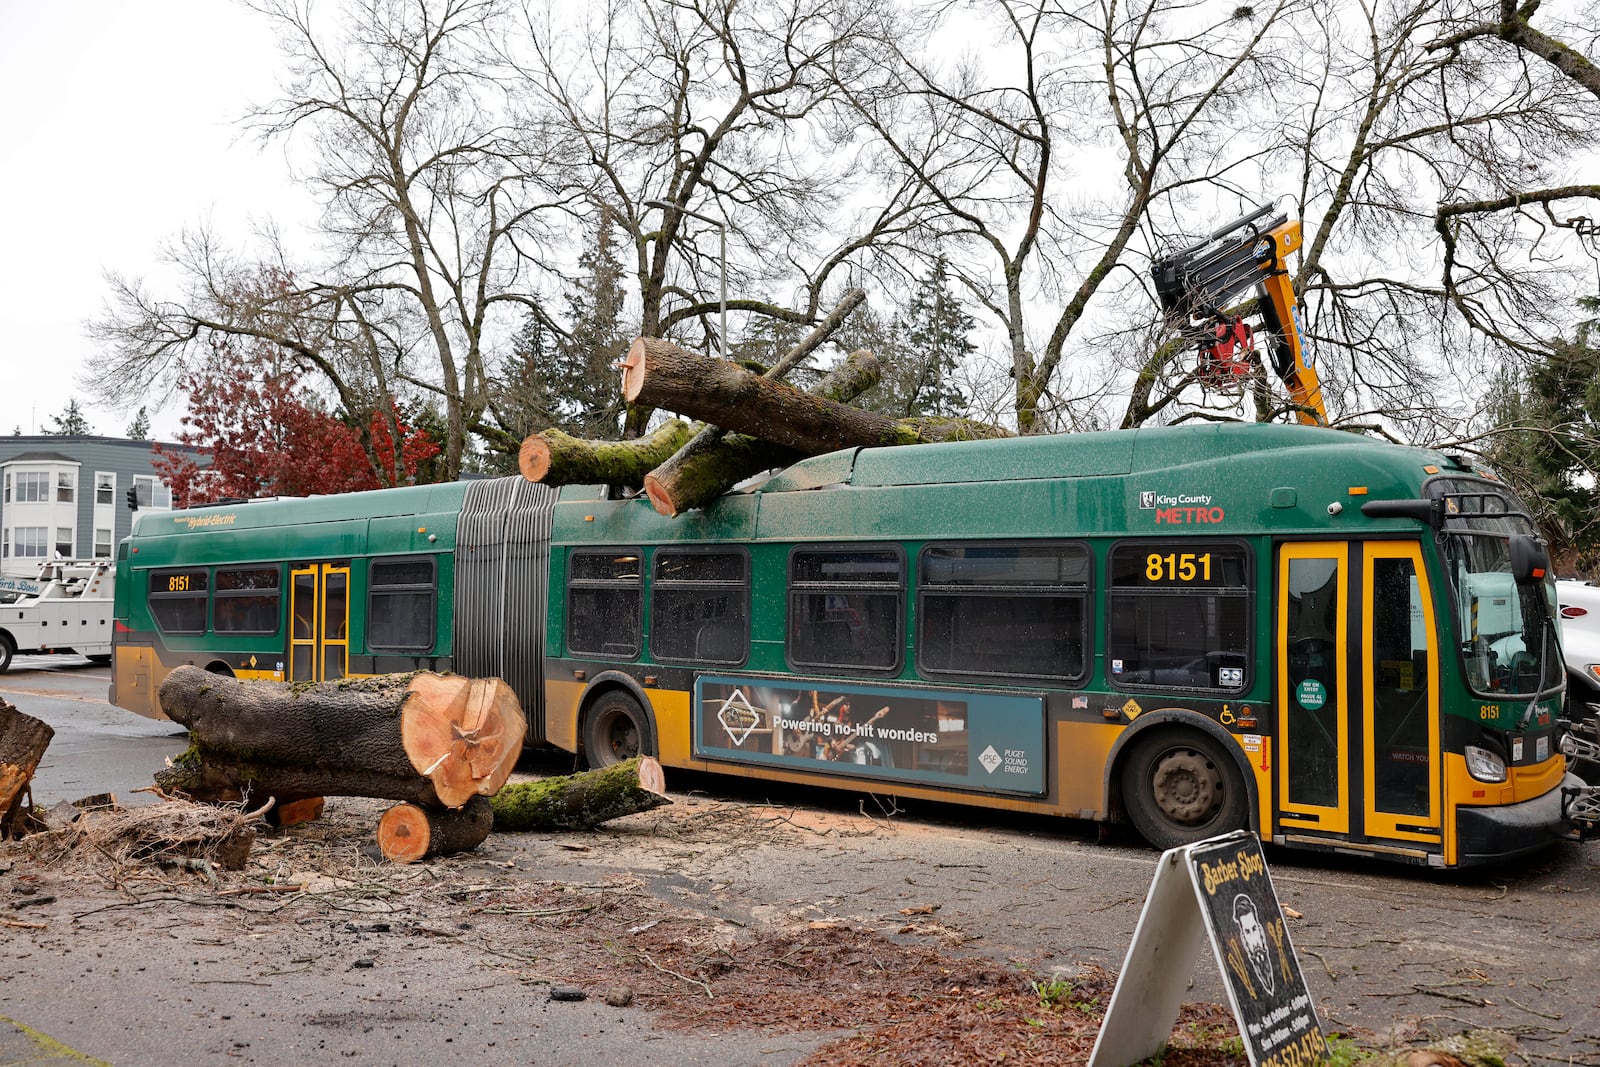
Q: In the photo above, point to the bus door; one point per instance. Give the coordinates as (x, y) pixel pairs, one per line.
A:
(1358, 693)
(319, 636)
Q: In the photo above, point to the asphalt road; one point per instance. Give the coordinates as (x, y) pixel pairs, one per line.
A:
(1384, 949)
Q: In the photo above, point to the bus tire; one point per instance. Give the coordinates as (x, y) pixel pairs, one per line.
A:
(616, 728)
(1180, 786)
(8, 648)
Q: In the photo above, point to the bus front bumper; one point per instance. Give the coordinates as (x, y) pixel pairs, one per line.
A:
(1490, 835)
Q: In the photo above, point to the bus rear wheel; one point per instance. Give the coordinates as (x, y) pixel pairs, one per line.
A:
(616, 729)
(1182, 787)
(8, 648)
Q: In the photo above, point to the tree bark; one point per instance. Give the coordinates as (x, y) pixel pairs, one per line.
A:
(421, 737)
(23, 740)
(408, 833)
(726, 395)
(557, 458)
(712, 463)
(661, 374)
(581, 801)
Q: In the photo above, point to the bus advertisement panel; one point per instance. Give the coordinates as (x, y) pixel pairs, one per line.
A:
(970, 739)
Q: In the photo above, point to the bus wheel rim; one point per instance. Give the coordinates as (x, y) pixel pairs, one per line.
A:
(622, 737)
(1186, 786)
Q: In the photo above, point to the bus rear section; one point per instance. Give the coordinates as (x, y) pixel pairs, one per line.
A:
(447, 577)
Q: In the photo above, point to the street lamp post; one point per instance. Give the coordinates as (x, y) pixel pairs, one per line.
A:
(722, 235)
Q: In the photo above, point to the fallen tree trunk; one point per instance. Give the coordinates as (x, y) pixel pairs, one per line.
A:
(581, 801)
(424, 738)
(662, 374)
(23, 740)
(554, 457)
(408, 833)
(713, 462)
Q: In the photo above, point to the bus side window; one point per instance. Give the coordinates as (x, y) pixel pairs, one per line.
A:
(700, 606)
(1010, 610)
(246, 600)
(401, 598)
(845, 607)
(1178, 615)
(605, 598)
(178, 600)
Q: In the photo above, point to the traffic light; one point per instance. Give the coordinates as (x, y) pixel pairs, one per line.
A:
(133, 498)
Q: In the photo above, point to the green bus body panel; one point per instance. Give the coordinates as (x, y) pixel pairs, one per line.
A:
(1050, 486)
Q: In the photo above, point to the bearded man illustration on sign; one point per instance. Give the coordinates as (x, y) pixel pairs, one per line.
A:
(1254, 937)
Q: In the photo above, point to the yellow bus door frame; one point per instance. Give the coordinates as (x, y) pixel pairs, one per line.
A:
(1313, 687)
(1400, 696)
(1357, 694)
(319, 626)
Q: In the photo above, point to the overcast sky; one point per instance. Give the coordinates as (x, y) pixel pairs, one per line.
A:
(118, 127)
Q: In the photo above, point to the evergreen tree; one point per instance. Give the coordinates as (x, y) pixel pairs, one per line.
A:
(937, 332)
(71, 422)
(921, 350)
(1548, 444)
(139, 428)
(570, 382)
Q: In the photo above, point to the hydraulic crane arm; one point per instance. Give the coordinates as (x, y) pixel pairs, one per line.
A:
(1195, 284)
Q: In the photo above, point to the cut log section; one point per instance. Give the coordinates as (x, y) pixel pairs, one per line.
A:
(557, 458)
(408, 833)
(581, 801)
(23, 740)
(296, 812)
(425, 738)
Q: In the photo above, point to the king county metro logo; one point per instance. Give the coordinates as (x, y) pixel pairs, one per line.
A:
(990, 759)
(738, 717)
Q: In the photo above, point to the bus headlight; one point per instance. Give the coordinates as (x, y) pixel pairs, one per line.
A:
(1484, 765)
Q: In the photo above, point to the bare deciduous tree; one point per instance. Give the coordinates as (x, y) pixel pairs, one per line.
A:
(429, 219)
(697, 120)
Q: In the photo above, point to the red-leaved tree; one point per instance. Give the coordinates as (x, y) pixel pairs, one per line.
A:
(265, 435)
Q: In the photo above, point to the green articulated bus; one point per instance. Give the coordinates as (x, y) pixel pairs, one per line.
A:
(1343, 644)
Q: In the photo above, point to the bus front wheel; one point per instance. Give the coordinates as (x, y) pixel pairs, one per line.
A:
(8, 648)
(1183, 787)
(616, 729)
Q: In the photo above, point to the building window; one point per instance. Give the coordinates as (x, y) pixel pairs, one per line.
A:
(699, 606)
(33, 487)
(844, 608)
(400, 604)
(31, 542)
(604, 598)
(64, 542)
(66, 487)
(105, 487)
(151, 493)
(1008, 610)
(102, 544)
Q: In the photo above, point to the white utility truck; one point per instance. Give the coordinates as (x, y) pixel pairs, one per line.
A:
(70, 613)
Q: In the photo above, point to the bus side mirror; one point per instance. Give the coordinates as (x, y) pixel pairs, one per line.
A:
(1428, 511)
(1530, 562)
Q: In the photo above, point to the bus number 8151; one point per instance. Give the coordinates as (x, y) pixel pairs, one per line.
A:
(1174, 567)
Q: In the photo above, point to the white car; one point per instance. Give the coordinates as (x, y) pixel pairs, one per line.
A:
(1580, 645)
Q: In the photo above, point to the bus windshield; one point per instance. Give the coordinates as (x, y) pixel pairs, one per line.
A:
(1507, 629)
